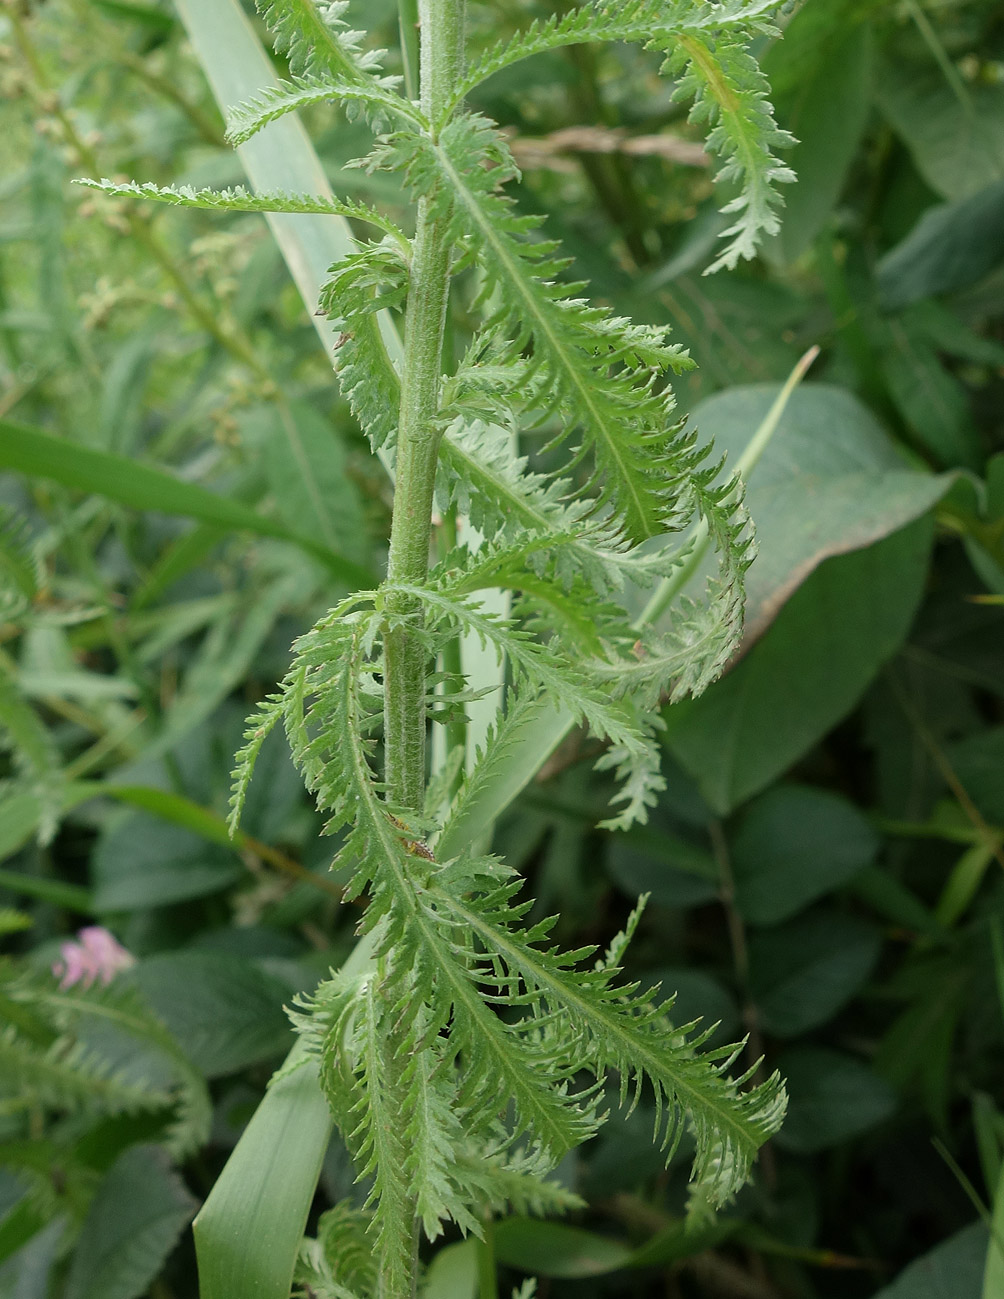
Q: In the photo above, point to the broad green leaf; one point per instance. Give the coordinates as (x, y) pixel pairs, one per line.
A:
(950, 247)
(19, 1224)
(794, 845)
(952, 1270)
(555, 1249)
(978, 761)
(829, 482)
(956, 145)
(806, 673)
(802, 973)
(674, 871)
(142, 487)
(833, 1098)
(143, 862)
(453, 1272)
(224, 1012)
(826, 108)
(133, 1223)
(248, 1232)
(933, 404)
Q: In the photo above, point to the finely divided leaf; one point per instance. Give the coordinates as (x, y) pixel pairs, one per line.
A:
(600, 371)
(707, 53)
(376, 100)
(239, 199)
(316, 40)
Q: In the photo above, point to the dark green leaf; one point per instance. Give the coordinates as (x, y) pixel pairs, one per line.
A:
(794, 845)
(144, 862)
(949, 248)
(826, 112)
(933, 404)
(673, 870)
(952, 1270)
(803, 972)
(955, 142)
(833, 1097)
(978, 762)
(224, 1012)
(248, 1232)
(132, 1225)
(554, 1249)
(830, 481)
(807, 672)
(453, 1272)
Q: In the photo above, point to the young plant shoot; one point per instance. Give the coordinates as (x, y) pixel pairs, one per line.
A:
(469, 1053)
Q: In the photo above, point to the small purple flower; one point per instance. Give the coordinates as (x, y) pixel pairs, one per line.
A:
(98, 956)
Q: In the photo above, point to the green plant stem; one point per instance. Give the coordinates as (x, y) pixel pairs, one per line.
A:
(441, 26)
(487, 1271)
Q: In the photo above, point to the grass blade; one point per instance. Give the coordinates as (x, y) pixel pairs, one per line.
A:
(142, 487)
(248, 1232)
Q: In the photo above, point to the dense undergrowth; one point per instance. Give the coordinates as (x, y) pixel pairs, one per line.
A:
(824, 863)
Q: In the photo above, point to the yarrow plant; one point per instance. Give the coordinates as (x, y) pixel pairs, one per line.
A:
(468, 1053)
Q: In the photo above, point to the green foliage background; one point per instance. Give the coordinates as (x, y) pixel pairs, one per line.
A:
(184, 492)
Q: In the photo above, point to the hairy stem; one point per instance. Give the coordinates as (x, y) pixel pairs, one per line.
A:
(405, 660)
(441, 30)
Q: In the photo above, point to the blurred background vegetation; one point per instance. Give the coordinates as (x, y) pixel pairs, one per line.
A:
(825, 868)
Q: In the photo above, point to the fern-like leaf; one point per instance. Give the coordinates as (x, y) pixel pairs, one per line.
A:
(239, 199)
(543, 666)
(316, 40)
(622, 1030)
(68, 1077)
(35, 753)
(20, 568)
(706, 45)
(377, 100)
(121, 1005)
(600, 371)
(338, 1263)
(730, 95)
(361, 285)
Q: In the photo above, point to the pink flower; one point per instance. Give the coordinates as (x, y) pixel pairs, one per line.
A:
(97, 956)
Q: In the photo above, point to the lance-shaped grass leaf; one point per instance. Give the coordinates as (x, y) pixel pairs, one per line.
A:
(142, 487)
